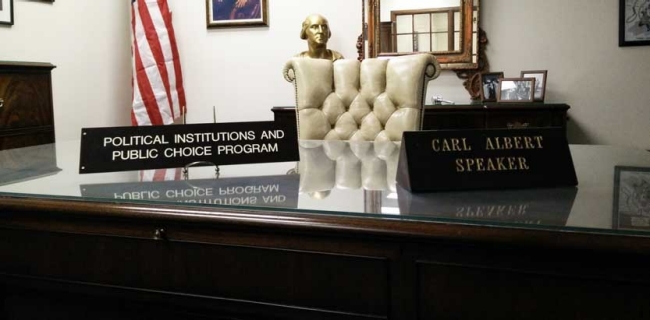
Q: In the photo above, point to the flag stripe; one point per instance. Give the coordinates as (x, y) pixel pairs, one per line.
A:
(145, 107)
(155, 33)
(180, 91)
(158, 94)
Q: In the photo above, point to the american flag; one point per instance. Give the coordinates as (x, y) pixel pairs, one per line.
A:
(158, 94)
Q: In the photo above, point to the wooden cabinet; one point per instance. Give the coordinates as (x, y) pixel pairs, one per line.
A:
(495, 116)
(26, 110)
(477, 116)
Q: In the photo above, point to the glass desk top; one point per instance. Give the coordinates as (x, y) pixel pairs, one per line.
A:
(613, 195)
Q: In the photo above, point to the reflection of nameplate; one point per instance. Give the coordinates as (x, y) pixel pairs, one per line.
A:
(631, 198)
(266, 191)
(549, 207)
(485, 159)
(175, 146)
(27, 163)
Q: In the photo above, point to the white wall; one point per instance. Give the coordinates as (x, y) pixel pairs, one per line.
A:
(87, 41)
(577, 42)
(239, 70)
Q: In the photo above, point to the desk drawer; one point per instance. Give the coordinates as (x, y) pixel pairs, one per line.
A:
(328, 285)
(453, 120)
(10, 139)
(518, 119)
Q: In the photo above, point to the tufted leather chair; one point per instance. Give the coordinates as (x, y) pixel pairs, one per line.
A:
(373, 100)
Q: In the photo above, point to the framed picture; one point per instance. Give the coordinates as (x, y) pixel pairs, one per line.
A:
(7, 12)
(489, 85)
(540, 82)
(631, 198)
(634, 23)
(516, 90)
(236, 13)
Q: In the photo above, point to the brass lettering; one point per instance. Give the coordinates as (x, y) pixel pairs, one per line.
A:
(517, 141)
(507, 143)
(528, 141)
(451, 144)
(500, 164)
(488, 144)
(479, 164)
(459, 165)
(522, 163)
(470, 163)
(490, 166)
(455, 144)
(435, 144)
(466, 147)
(445, 145)
(539, 139)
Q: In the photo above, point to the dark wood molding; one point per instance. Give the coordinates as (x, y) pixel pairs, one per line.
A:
(472, 78)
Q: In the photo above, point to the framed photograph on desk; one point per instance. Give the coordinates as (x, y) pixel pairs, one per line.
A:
(631, 198)
(540, 82)
(516, 90)
(489, 86)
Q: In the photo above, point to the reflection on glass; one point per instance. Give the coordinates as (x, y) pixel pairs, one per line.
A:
(439, 22)
(404, 43)
(425, 30)
(423, 42)
(421, 23)
(328, 165)
(549, 207)
(441, 41)
(404, 24)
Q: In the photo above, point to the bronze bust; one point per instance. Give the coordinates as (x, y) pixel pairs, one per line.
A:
(315, 29)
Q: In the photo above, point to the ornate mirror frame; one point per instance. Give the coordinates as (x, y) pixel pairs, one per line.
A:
(466, 65)
(463, 56)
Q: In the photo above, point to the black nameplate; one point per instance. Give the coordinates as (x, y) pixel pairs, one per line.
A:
(449, 160)
(266, 191)
(174, 146)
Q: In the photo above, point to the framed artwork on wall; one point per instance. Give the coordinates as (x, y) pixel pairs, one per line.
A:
(7, 12)
(540, 82)
(516, 90)
(631, 198)
(489, 86)
(236, 13)
(634, 23)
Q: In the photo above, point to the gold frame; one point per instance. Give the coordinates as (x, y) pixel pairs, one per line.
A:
(451, 60)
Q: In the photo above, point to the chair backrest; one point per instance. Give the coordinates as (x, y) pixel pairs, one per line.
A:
(373, 100)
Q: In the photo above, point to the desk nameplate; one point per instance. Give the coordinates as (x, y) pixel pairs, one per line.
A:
(174, 146)
(447, 160)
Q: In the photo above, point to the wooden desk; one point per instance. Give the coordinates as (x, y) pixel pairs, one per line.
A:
(77, 258)
(476, 116)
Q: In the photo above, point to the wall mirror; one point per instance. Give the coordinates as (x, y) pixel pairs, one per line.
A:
(446, 28)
